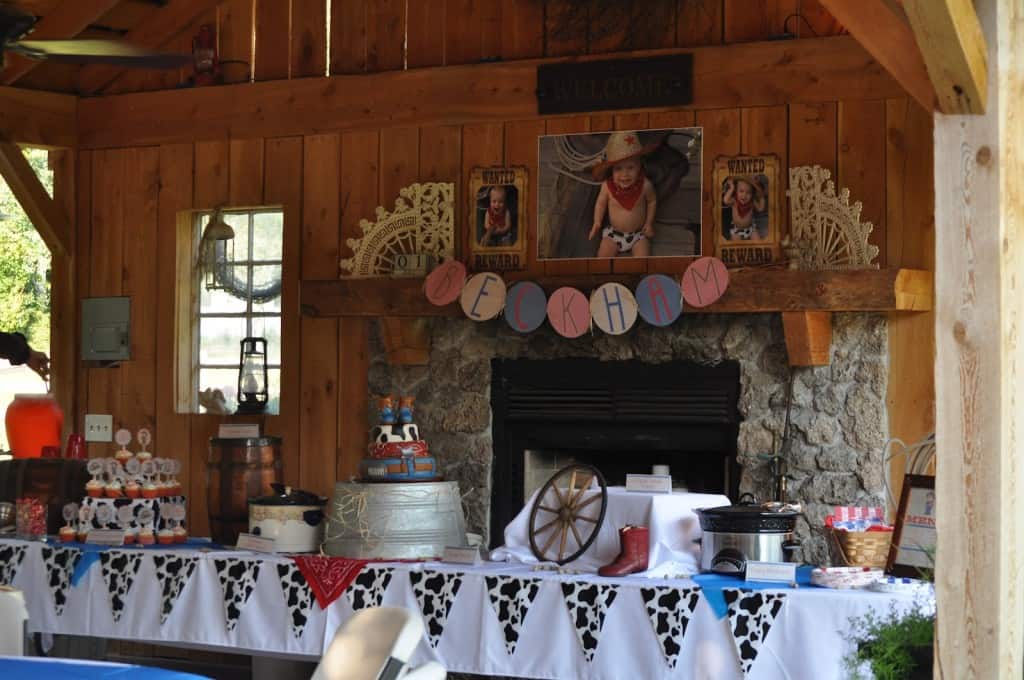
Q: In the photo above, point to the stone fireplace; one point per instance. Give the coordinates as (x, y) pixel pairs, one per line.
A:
(839, 418)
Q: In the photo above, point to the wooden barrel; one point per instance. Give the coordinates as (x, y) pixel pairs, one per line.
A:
(54, 481)
(238, 469)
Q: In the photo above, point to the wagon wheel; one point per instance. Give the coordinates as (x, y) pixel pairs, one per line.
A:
(567, 512)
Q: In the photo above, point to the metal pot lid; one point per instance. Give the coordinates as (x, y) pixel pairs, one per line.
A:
(747, 519)
(286, 495)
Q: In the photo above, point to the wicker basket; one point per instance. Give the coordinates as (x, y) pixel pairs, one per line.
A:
(860, 548)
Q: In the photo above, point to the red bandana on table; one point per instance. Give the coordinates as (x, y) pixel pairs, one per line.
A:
(497, 218)
(329, 577)
(627, 197)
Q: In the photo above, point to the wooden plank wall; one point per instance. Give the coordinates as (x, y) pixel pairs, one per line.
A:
(129, 199)
(326, 183)
(274, 40)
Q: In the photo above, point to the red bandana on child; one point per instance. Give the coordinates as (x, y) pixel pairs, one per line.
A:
(744, 208)
(496, 218)
(627, 197)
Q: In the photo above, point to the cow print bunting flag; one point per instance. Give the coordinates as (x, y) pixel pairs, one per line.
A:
(237, 581)
(367, 589)
(511, 597)
(10, 559)
(588, 603)
(298, 596)
(172, 572)
(435, 591)
(119, 569)
(670, 610)
(751, 615)
(60, 564)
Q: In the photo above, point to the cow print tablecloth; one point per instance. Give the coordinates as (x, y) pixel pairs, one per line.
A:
(494, 619)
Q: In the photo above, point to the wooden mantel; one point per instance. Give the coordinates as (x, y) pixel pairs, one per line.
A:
(750, 290)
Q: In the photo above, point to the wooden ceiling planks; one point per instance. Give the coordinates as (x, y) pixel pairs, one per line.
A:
(151, 34)
(71, 20)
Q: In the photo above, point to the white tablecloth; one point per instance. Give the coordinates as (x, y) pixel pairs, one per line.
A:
(805, 640)
(670, 517)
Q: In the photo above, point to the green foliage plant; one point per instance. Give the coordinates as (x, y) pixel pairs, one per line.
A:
(892, 645)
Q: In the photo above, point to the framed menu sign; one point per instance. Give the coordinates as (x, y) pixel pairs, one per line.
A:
(914, 539)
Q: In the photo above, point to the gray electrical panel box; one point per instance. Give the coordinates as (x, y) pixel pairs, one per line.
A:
(105, 324)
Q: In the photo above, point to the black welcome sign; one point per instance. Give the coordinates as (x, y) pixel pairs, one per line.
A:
(571, 87)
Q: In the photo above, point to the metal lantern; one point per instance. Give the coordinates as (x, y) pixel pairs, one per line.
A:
(218, 252)
(252, 376)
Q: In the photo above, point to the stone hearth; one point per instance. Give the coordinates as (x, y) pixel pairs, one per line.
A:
(838, 414)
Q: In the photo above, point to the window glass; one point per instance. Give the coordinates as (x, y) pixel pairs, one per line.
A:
(248, 305)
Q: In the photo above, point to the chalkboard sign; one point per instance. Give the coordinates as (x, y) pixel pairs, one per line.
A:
(609, 84)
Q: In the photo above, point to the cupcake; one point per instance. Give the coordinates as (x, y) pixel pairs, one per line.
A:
(165, 537)
(146, 537)
(129, 536)
(132, 489)
(180, 535)
(149, 490)
(123, 456)
(113, 489)
(94, 488)
(143, 456)
(67, 533)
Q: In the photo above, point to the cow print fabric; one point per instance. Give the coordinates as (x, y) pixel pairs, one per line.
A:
(435, 591)
(511, 597)
(119, 569)
(751, 615)
(367, 589)
(11, 557)
(670, 610)
(588, 604)
(298, 596)
(172, 572)
(60, 565)
(237, 581)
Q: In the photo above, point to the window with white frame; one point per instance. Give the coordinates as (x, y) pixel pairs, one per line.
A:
(237, 296)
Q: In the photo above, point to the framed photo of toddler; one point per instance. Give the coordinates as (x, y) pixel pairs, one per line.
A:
(621, 194)
(498, 218)
(748, 210)
(913, 541)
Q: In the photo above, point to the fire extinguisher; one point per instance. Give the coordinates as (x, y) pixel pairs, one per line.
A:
(206, 66)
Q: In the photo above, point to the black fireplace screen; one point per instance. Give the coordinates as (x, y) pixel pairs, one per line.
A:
(620, 416)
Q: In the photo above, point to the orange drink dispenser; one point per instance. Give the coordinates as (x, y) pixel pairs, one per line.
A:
(33, 421)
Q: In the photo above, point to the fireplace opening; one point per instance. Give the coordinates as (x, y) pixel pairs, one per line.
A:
(620, 416)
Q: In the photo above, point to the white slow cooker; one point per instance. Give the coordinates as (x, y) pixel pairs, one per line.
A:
(293, 519)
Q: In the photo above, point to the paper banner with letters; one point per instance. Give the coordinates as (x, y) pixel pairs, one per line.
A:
(611, 307)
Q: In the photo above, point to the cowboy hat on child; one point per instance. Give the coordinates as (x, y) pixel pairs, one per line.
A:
(621, 146)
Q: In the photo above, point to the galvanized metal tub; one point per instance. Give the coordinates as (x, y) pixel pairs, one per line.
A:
(403, 520)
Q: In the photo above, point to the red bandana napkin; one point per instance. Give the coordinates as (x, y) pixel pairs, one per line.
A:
(329, 577)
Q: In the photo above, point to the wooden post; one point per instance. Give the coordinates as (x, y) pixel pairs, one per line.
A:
(979, 207)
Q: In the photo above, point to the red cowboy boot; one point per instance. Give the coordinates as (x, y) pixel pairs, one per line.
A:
(635, 543)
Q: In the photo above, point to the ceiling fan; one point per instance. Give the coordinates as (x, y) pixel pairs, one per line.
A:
(15, 24)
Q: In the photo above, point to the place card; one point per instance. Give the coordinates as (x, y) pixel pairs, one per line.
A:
(238, 431)
(256, 543)
(649, 483)
(783, 572)
(106, 536)
(461, 555)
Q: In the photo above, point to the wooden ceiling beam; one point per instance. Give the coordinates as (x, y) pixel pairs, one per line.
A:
(953, 46)
(36, 118)
(46, 216)
(881, 27)
(61, 23)
(813, 70)
(162, 27)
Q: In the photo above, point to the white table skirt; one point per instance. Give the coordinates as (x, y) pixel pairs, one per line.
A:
(670, 517)
(805, 640)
